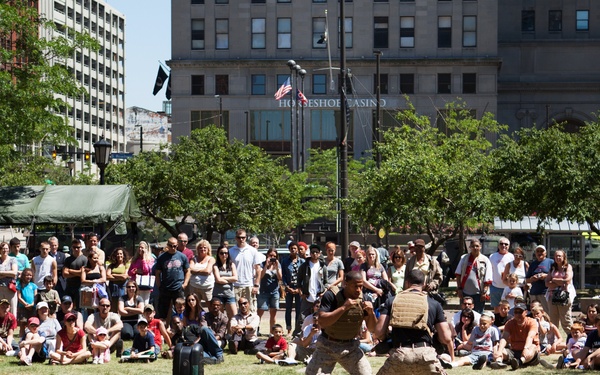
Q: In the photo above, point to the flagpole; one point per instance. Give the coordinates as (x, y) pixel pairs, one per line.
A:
(343, 145)
(297, 68)
(291, 64)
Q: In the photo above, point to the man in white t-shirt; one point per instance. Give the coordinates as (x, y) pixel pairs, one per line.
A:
(247, 262)
(499, 261)
(44, 265)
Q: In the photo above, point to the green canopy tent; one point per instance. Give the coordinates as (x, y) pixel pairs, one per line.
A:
(67, 204)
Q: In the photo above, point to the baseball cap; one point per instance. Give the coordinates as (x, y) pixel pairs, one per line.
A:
(149, 306)
(101, 331)
(419, 242)
(410, 244)
(41, 304)
(541, 247)
(33, 320)
(142, 321)
(70, 315)
(355, 244)
(521, 306)
(66, 299)
(4, 300)
(315, 248)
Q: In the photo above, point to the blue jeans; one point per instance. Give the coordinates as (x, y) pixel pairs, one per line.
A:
(209, 343)
(479, 304)
(495, 295)
(292, 301)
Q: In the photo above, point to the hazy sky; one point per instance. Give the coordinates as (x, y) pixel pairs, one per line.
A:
(147, 40)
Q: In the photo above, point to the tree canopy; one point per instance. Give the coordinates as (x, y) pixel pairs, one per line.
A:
(430, 181)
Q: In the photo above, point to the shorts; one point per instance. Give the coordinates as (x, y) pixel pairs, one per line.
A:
(473, 357)
(519, 354)
(24, 313)
(268, 301)
(226, 299)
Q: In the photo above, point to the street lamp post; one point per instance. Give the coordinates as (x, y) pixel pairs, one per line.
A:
(292, 64)
(220, 109)
(247, 127)
(302, 163)
(297, 68)
(71, 166)
(102, 151)
(378, 109)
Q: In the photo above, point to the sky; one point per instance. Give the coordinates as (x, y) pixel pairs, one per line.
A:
(147, 41)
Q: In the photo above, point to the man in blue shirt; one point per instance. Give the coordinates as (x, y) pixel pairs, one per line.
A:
(536, 276)
(172, 271)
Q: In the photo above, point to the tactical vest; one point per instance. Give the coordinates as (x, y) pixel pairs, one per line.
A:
(347, 327)
(410, 310)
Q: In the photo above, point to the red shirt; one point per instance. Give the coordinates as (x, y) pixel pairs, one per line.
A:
(154, 327)
(6, 324)
(283, 345)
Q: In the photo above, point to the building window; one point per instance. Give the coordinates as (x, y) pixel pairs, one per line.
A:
(259, 36)
(221, 1)
(197, 33)
(284, 1)
(222, 33)
(380, 32)
(347, 31)
(270, 126)
(259, 84)
(322, 125)
(318, 25)
(444, 83)
(284, 33)
(469, 31)
(383, 81)
(407, 32)
(528, 20)
(258, 1)
(444, 32)
(583, 20)
(555, 20)
(407, 83)
(469, 83)
(202, 119)
(222, 84)
(197, 2)
(319, 84)
(197, 85)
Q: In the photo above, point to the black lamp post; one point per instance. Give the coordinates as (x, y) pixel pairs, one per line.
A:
(292, 65)
(302, 163)
(220, 109)
(102, 150)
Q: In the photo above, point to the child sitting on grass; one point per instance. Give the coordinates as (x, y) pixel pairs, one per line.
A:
(101, 354)
(276, 347)
(143, 347)
(32, 345)
(571, 357)
(481, 343)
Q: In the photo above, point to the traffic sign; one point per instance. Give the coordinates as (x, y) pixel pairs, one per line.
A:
(121, 155)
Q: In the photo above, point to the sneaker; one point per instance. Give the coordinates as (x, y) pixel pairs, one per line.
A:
(10, 353)
(95, 361)
(232, 347)
(535, 361)
(546, 364)
(445, 364)
(481, 360)
(213, 361)
(514, 363)
(28, 361)
(497, 365)
(119, 348)
(561, 362)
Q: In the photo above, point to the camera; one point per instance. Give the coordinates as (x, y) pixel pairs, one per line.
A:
(273, 260)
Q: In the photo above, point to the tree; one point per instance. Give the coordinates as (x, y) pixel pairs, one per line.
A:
(218, 184)
(33, 78)
(549, 173)
(430, 181)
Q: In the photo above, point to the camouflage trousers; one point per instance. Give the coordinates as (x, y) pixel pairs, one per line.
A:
(409, 360)
(347, 354)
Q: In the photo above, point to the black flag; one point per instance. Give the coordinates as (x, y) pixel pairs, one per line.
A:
(168, 93)
(160, 80)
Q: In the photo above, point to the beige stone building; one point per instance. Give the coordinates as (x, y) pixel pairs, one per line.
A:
(229, 58)
(549, 51)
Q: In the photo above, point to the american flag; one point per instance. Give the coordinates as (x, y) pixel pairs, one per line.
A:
(284, 89)
(301, 98)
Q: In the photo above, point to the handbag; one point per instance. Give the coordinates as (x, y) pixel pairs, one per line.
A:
(145, 282)
(12, 285)
(560, 297)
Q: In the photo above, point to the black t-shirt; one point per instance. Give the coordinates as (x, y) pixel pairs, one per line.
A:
(406, 336)
(593, 340)
(499, 320)
(329, 302)
(75, 263)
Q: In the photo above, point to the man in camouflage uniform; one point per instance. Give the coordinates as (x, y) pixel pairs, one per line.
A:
(413, 316)
(340, 317)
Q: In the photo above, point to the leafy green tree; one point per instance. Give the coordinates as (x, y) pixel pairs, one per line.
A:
(221, 185)
(430, 181)
(549, 173)
(33, 78)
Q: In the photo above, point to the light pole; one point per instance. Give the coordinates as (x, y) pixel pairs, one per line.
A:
(378, 108)
(102, 151)
(291, 64)
(297, 68)
(71, 166)
(247, 127)
(343, 142)
(220, 110)
(141, 137)
(302, 73)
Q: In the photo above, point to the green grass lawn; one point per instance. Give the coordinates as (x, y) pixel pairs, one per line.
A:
(233, 365)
